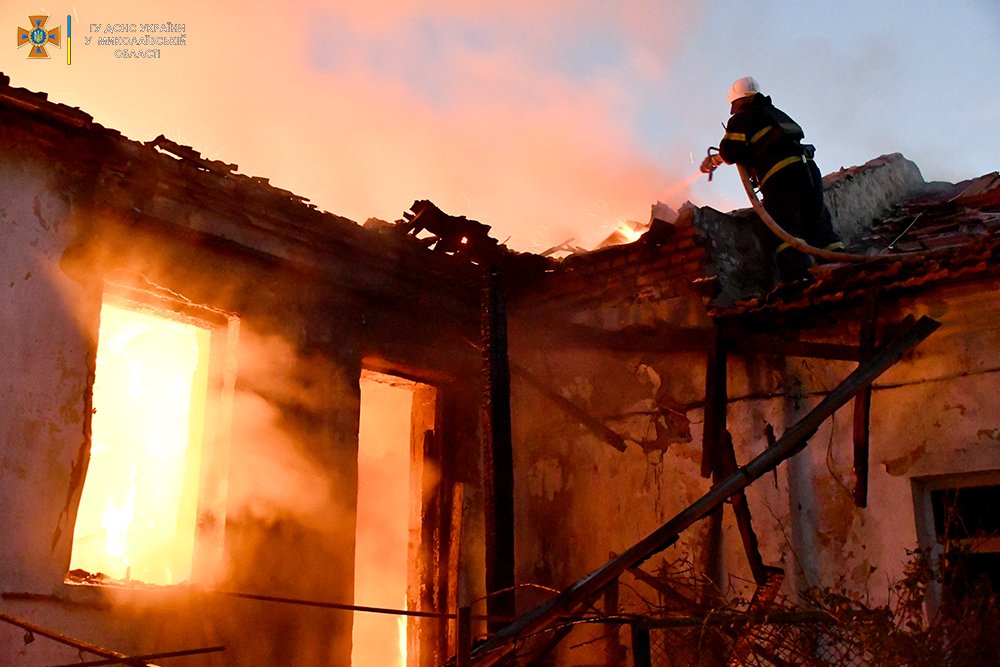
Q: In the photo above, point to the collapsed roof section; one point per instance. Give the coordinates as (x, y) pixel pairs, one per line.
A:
(916, 233)
(175, 186)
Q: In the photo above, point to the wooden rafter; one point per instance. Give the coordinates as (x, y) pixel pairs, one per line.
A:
(545, 615)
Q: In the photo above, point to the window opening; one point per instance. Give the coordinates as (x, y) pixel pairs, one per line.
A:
(139, 506)
(967, 525)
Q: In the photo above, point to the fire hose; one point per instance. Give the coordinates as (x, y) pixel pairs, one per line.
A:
(794, 242)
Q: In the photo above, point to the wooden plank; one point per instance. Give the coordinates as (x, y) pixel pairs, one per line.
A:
(863, 401)
(727, 467)
(716, 399)
(78, 644)
(662, 338)
(503, 643)
(641, 649)
(148, 656)
(499, 468)
(464, 638)
(453, 567)
(662, 587)
(612, 646)
(592, 424)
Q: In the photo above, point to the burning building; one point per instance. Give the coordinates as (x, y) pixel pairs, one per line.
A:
(244, 431)
(191, 355)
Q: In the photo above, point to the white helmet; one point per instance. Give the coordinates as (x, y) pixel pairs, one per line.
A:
(743, 87)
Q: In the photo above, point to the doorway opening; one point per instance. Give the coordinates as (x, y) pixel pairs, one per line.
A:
(395, 415)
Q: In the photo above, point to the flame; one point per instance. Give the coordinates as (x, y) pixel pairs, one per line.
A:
(137, 510)
(401, 629)
(629, 231)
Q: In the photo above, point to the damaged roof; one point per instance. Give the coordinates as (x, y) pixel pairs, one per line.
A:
(938, 233)
(916, 234)
(174, 185)
(947, 233)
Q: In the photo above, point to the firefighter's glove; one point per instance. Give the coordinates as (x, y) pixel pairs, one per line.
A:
(711, 163)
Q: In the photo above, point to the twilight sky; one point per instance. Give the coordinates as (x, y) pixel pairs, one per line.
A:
(548, 119)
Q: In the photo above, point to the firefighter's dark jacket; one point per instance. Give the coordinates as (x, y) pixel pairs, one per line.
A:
(761, 137)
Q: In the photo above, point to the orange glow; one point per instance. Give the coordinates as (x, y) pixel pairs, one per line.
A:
(630, 231)
(401, 630)
(137, 512)
(381, 564)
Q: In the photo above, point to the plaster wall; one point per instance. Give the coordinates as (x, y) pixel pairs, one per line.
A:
(859, 196)
(932, 416)
(579, 499)
(46, 361)
(294, 542)
(289, 488)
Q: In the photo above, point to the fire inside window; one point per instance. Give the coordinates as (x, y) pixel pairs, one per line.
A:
(138, 509)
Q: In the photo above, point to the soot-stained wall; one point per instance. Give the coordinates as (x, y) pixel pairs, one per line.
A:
(304, 299)
(580, 500)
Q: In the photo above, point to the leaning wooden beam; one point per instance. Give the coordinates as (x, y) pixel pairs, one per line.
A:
(78, 644)
(662, 587)
(741, 508)
(795, 438)
(150, 656)
(595, 426)
(656, 338)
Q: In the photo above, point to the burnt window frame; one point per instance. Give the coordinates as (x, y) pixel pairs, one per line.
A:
(930, 524)
(212, 481)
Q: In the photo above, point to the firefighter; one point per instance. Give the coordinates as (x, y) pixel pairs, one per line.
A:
(768, 143)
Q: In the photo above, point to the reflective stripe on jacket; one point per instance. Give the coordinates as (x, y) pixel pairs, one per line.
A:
(761, 137)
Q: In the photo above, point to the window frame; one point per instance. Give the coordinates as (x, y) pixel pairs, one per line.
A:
(212, 480)
(927, 536)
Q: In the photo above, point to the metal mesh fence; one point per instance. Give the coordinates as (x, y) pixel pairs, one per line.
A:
(813, 643)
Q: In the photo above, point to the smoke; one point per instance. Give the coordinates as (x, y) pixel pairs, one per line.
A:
(275, 476)
(517, 115)
(280, 420)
